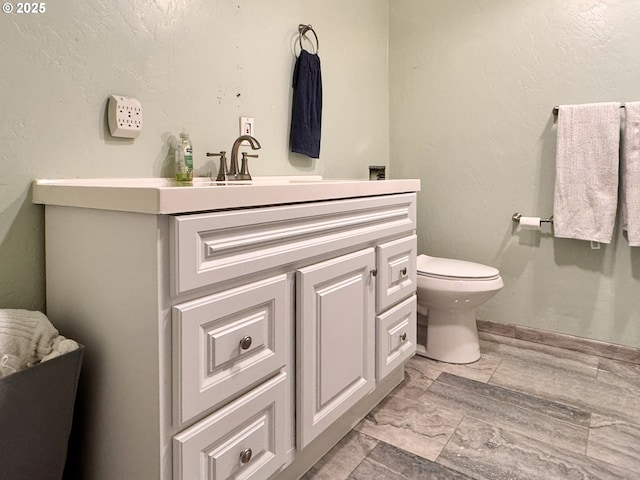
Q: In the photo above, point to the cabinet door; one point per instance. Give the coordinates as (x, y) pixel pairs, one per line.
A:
(335, 340)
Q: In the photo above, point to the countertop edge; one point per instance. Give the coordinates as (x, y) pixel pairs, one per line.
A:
(164, 200)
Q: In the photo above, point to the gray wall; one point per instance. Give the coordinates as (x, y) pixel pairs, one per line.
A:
(194, 64)
(472, 88)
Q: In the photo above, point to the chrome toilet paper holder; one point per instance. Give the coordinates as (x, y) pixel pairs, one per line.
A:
(517, 216)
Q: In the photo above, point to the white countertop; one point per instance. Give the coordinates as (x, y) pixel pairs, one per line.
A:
(165, 196)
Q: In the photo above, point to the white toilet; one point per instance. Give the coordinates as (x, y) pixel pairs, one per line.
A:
(448, 293)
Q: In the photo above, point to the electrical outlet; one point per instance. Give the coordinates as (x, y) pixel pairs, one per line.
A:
(246, 126)
(125, 116)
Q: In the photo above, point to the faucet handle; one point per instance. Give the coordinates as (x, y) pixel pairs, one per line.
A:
(244, 169)
(222, 171)
(221, 154)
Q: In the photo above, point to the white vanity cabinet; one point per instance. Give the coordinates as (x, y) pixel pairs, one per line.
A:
(233, 343)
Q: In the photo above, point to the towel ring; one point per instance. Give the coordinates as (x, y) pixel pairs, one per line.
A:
(302, 30)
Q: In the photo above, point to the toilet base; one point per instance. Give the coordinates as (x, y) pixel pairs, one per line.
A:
(452, 336)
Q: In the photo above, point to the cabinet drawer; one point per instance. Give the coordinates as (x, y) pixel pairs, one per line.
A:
(214, 247)
(226, 342)
(395, 337)
(244, 440)
(396, 267)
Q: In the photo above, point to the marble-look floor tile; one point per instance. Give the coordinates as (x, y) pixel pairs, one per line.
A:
(416, 427)
(485, 452)
(561, 376)
(386, 462)
(419, 375)
(558, 411)
(620, 374)
(524, 414)
(615, 441)
(342, 459)
(480, 370)
(531, 382)
(560, 385)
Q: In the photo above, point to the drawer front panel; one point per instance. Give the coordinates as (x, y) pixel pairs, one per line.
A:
(396, 268)
(249, 329)
(243, 440)
(395, 337)
(214, 247)
(226, 342)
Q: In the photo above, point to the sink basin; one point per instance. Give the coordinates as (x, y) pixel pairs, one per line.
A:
(166, 196)
(271, 180)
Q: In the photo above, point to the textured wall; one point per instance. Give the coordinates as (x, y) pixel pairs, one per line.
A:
(197, 64)
(472, 87)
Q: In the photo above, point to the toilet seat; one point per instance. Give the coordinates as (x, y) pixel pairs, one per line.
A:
(451, 269)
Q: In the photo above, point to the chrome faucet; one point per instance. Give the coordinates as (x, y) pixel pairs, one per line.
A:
(234, 174)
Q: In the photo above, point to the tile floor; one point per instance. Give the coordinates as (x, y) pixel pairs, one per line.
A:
(524, 411)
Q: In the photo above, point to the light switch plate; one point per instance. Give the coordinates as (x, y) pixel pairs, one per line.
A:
(125, 116)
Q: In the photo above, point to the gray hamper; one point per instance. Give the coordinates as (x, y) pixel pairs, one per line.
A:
(36, 411)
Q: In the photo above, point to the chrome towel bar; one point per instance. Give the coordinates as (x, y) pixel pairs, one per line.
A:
(557, 107)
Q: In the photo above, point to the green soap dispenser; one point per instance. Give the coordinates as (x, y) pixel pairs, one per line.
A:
(184, 159)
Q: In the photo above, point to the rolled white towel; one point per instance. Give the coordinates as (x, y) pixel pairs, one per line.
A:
(68, 345)
(8, 364)
(61, 345)
(25, 337)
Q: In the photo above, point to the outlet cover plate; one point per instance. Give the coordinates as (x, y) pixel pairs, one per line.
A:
(125, 116)
(246, 126)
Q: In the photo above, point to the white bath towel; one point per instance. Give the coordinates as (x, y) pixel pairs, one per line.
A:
(60, 346)
(586, 189)
(26, 337)
(630, 176)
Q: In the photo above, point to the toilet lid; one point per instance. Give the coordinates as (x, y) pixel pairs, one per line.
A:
(458, 269)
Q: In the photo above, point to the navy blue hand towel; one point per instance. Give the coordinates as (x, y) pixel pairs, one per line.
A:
(306, 115)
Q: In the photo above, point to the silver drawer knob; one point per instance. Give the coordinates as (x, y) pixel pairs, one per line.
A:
(245, 342)
(245, 456)
(403, 336)
(403, 272)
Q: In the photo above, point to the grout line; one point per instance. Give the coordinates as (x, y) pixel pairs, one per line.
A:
(448, 440)
(366, 456)
(488, 382)
(586, 448)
